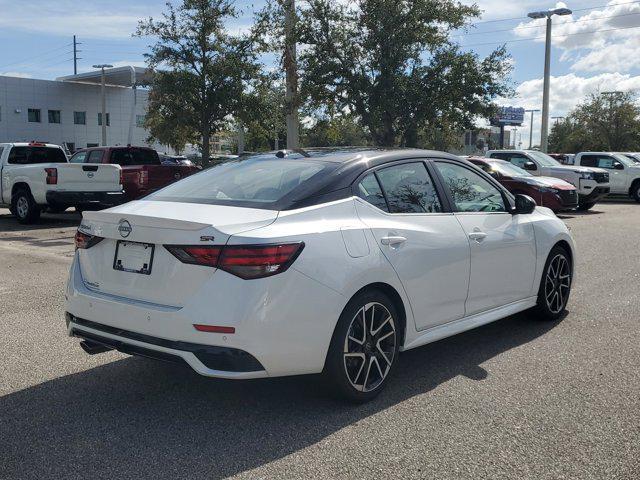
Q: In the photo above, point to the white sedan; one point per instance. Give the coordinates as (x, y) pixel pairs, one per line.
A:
(327, 261)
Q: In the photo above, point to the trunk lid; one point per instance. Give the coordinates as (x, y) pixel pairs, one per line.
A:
(127, 228)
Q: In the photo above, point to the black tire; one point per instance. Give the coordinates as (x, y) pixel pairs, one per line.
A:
(635, 191)
(583, 207)
(25, 207)
(554, 290)
(359, 371)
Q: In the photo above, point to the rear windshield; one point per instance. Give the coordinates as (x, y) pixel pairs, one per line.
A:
(134, 156)
(29, 155)
(251, 182)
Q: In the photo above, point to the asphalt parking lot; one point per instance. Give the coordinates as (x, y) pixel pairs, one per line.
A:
(514, 399)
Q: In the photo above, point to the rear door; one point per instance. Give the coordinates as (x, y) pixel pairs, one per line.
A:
(503, 249)
(422, 240)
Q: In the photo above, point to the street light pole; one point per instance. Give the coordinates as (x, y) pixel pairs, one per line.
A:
(104, 101)
(531, 127)
(544, 141)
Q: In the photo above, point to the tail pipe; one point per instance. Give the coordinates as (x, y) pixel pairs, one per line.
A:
(93, 348)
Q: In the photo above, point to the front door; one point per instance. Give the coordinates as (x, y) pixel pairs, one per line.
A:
(427, 247)
(503, 250)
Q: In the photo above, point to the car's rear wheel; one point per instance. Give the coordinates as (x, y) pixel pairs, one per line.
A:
(555, 285)
(24, 207)
(364, 347)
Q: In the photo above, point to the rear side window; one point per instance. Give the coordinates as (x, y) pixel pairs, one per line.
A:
(409, 189)
(95, 156)
(369, 190)
(30, 155)
(248, 182)
(134, 156)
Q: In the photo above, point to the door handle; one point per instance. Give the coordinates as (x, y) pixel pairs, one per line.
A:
(478, 236)
(392, 240)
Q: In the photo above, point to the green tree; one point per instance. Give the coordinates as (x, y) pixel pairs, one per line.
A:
(200, 70)
(393, 65)
(336, 131)
(604, 122)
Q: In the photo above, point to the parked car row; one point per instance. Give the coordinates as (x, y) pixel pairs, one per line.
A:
(38, 176)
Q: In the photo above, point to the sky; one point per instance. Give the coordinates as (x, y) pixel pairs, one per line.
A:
(594, 49)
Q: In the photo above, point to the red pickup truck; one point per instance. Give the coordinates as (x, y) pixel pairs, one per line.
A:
(142, 170)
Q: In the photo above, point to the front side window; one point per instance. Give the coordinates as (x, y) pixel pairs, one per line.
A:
(369, 190)
(33, 115)
(409, 189)
(54, 116)
(470, 192)
(79, 157)
(80, 118)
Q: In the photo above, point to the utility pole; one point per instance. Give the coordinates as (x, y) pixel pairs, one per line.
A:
(291, 68)
(104, 102)
(531, 127)
(75, 55)
(544, 141)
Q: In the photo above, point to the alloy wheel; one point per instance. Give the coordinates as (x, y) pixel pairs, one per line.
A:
(22, 207)
(369, 348)
(557, 283)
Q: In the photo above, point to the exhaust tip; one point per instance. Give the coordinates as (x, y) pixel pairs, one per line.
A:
(93, 348)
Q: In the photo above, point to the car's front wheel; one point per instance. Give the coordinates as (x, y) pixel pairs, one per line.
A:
(364, 347)
(555, 285)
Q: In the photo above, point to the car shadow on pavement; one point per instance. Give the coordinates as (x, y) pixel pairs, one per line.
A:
(136, 418)
(8, 222)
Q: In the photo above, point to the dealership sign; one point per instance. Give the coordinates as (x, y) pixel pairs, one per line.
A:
(508, 116)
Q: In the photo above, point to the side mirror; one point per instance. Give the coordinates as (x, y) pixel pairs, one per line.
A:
(618, 166)
(524, 205)
(530, 166)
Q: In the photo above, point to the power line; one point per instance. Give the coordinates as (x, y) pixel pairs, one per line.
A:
(542, 26)
(574, 9)
(554, 36)
(38, 55)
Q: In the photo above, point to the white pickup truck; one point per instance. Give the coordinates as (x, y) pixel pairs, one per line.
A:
(35, 176)
(623, 171)
(592, 184)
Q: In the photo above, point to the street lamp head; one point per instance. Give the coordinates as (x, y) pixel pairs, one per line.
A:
(549, 13)
(102, 65)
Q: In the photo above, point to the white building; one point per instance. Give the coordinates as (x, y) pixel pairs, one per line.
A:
(68, 110)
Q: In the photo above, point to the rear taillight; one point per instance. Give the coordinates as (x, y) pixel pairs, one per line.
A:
(244, 261)
(144, 177)
(84, 240)
(121, 178)
(52, 176)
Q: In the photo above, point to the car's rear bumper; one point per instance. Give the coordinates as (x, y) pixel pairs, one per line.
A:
(107, 199)
(597, 193)
(205, 359)
(283, 324)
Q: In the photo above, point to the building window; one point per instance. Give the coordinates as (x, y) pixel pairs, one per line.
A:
(140, 121)
(54, 116)
(91, 145)
(100, 119)
(33, 115)
(80, 118)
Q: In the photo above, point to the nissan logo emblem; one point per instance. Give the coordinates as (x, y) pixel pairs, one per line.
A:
(124, 227)
(90, 174)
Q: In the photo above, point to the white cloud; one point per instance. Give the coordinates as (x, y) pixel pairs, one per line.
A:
(567, 91)
(16, 74)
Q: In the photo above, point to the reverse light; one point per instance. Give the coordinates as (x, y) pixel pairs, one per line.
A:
(85, 240)
(52, 176)
(244, 261)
